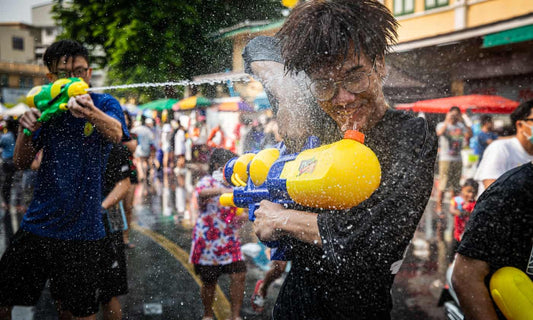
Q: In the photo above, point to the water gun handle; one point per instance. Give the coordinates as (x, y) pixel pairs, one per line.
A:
(27, 132)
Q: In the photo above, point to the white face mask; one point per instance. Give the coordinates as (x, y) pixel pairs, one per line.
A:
(218, 176)
(530, 138)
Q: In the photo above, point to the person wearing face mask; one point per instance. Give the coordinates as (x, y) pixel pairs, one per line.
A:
(498, 234)
(505, 154)
(344, 261)
(216, 248)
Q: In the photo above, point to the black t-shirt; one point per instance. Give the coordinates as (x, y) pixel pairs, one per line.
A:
(500, 229)
(117, 168)
(351, 276)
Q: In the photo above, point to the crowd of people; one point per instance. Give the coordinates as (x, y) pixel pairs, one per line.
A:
(343, 262)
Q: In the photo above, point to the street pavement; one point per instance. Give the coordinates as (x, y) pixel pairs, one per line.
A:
(162, 284)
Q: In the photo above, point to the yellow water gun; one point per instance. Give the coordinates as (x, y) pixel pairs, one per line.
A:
(512, 290)
(336, 176)
(52, 99)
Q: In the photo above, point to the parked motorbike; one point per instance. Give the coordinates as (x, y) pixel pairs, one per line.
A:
(448, 298)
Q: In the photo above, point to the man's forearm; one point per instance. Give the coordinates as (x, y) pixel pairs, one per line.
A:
(109, 127)
(301, 225)
(468, 282)
(118, 193)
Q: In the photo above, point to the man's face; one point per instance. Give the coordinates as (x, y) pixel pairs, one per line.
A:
(454, 116)
(71, 67)
(523, 127)
(357, 100)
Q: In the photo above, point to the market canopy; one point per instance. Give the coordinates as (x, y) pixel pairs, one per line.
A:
(191, 103)
(475, 103)
(16, 111)
(235, 105)
(159, 105)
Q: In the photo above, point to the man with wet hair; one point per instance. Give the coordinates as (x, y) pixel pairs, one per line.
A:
(61, 235)
(344, 262)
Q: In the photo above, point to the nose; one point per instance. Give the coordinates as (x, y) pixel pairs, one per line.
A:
(342, 96)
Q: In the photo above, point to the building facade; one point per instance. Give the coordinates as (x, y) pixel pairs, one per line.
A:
(19, 70)
(445, 48)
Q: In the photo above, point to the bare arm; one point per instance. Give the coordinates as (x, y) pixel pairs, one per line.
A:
(131, 145)
(468, 281)
(213, 192)
(83, 107)
(442, 129)
(24, 149)
(272, 221)
(454, 211)
(488, 182)
(118, 193)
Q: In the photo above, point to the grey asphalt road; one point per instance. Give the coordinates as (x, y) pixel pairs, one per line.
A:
(163, 286)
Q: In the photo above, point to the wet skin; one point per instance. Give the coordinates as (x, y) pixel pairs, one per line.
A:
(359, 111)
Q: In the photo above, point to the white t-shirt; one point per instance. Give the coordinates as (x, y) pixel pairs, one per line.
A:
(451, 141)
(166, 136)
(499, 157)
(145, 138)
(179, 142)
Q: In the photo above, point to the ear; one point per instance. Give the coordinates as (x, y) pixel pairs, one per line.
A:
(89, 74)
(51, 77)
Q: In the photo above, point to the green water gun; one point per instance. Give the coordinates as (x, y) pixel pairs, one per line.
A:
(52, 99)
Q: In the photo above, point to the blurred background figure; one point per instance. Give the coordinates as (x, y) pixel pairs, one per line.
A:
(503, 155)
(7, 144)
(166, 143)
(485, 136)
(146, 141)
(452, 133)
(461, 207)
(216, 248)
(130, 146)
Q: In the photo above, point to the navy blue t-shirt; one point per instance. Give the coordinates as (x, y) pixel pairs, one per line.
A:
(68, 192)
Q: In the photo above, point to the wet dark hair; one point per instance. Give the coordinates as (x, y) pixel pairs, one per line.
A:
(321, 32)
(471, 183)
(218, 158)
(455, 108)
(63, 48)
(485, 119)
(521, 112)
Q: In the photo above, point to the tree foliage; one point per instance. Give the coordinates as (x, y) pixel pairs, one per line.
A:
(158, 40)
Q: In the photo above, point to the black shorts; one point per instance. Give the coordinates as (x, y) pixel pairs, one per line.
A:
(210, 274)
(114, 276)
(72, 267)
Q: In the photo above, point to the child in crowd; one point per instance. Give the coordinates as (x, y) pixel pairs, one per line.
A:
(216, 248)
(461, 207)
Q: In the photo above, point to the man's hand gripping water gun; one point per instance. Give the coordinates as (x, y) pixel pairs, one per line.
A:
(337, 176)
(52, 99)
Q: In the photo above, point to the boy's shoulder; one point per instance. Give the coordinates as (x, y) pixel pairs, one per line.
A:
(104, 100)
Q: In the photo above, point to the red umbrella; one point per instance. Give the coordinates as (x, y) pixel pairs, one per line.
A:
(474, 102)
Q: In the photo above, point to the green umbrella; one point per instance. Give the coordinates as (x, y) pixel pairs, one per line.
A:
(191, 103)
(159, 105)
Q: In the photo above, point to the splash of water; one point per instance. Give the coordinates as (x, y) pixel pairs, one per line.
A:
(211, 81)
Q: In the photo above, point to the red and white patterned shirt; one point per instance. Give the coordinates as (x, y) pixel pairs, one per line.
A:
(214, 237)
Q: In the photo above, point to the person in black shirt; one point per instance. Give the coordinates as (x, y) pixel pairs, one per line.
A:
(114, 280)
(498, 234)
(344, 262)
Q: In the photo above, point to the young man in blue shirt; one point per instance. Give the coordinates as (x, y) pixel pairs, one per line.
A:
(61, 234)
